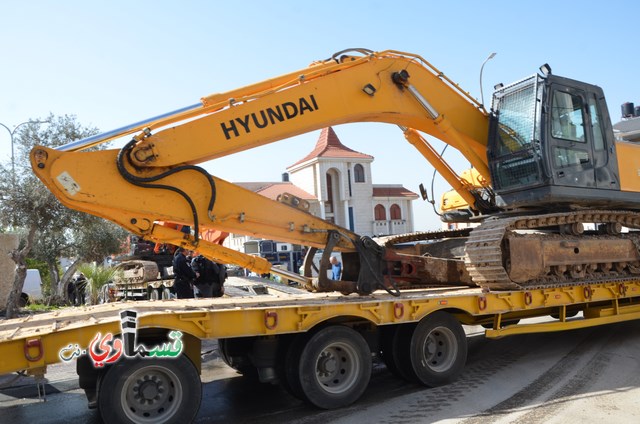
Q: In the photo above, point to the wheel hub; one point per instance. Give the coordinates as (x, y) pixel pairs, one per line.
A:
(149, 390)
(336, 368)
(439, 349)
(327, 364)
(150, 394)
(432, 345)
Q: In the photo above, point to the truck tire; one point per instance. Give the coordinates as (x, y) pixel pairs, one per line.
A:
(438, 349)
(165, 293)
(150, 391)
(333, 367)
(394, 345)
(235, 353)
(153, 294)
(290, 366)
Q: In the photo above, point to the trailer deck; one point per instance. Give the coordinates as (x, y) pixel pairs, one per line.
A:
(33, 342)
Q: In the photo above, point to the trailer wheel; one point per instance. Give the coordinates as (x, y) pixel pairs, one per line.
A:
(153, 294)
(291, 366)
(334, 367)
(165, 293)
(150, 391)
(394, 344)
(438, 349)
(235, 353)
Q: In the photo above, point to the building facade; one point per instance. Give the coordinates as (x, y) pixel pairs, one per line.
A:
(338, 184)
(340, 179)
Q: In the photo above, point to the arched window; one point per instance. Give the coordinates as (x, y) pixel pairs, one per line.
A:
(395, 212)
(329, 203)
(358, 173)
(380, 213)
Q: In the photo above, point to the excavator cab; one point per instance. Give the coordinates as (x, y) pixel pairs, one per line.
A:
(551, 146)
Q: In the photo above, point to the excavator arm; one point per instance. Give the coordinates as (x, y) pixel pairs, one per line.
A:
(154, 178)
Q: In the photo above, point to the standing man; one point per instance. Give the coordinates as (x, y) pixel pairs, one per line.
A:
(210, 283)
(71, 292)
(184, 275)
(336, 268)
(203, 286)
(81, 289)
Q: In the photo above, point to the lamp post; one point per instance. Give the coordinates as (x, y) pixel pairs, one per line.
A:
(491, 56)
(12, 133)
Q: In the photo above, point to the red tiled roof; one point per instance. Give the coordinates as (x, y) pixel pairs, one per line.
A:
(392, 191)
(254, 186)
(272, 190)
(329, 146)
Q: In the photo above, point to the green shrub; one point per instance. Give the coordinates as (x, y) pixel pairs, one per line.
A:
(97, 276)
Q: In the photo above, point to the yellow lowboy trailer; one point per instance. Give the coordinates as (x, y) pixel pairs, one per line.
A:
(317, 345)
(547, 167)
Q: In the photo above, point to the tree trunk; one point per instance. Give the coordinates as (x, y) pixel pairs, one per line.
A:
(67, 276)
(55, 280)
(19, 256)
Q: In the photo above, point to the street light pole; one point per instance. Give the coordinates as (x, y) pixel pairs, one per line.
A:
(491, 56)
(12, 133)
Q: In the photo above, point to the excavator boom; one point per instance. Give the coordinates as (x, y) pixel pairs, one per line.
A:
(154, 178)
(389, 86)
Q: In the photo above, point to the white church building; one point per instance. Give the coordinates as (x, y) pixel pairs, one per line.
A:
(338, 184)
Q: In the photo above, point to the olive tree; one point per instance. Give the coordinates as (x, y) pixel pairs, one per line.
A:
(48, 229)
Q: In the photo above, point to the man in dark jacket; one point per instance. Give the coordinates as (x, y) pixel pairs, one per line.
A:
(81, 287)
(210, 282)
(184, 275)
(71, 292)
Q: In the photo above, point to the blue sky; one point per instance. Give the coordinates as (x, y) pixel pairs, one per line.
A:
(118, 62)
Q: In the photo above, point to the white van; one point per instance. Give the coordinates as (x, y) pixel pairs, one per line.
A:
(32, 288)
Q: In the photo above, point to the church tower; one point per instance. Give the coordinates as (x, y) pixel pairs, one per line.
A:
(340, 178)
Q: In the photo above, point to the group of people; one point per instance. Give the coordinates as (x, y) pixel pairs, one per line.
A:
(197, 276)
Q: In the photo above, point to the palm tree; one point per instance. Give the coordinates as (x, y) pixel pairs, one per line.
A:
(97, 276)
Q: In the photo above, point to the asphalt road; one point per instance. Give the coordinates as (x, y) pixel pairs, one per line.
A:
(582, 376)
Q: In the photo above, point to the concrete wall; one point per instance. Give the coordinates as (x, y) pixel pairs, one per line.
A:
(305, 178)
(8, 242)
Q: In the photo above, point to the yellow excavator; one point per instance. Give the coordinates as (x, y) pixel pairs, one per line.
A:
(552, 191)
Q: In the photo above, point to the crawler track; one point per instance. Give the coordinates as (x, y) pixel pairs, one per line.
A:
(484, 249)
(486, 256)
(423, 236)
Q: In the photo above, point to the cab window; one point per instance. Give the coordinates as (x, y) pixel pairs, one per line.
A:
(566, 117)
(596, 119)
(570, 157)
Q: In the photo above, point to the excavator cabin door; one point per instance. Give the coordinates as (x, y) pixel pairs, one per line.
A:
(578, 152)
